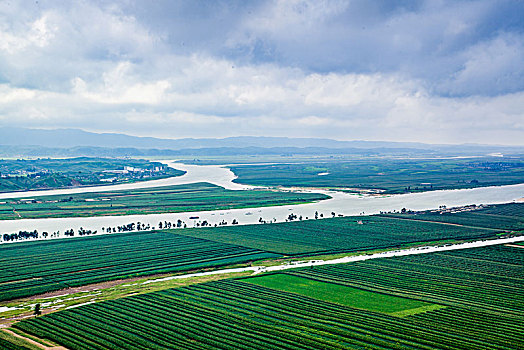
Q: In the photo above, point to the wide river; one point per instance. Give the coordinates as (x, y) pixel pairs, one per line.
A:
(340, 203)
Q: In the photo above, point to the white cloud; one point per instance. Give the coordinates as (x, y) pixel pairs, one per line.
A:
(101, 68)
(118, 87)
(266, 100)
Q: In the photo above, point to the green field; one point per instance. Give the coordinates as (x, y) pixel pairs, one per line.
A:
(504, 216)
(47, 173)
(10, 342)
(387, 174)
(41, 266)
(31, 268)
(489, 279)
(336, 234)
(169, 199)
(348, 296)
(483, 310)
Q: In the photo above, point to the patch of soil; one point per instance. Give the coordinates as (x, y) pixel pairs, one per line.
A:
(86, 288)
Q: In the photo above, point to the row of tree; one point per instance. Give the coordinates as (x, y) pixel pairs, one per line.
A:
(139, 226)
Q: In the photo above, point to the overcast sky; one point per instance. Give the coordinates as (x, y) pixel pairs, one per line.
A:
(428, 71)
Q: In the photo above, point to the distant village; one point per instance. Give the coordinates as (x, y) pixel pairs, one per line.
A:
(445, 210)
(133, 172)
(104, 176)
(24, 173)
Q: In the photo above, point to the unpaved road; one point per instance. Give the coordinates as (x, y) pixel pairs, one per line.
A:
(347, 259)
(41, 346)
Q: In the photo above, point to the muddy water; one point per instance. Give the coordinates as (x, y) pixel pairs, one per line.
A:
(340, 203)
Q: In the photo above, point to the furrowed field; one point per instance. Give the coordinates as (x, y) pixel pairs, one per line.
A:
(389, 175)
(169, 199)
(506, 217)
(42, 266)
(482, 279)
(467, 299)
(37, 267)
(337, 234)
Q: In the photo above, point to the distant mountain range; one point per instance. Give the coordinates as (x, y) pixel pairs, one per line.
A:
(73, 142)
(66, 138)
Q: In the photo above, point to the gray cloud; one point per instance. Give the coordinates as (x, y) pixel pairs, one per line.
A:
(434, 72)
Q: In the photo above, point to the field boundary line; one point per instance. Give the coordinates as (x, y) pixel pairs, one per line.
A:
(35, 343)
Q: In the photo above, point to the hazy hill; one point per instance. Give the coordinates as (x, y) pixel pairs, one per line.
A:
(79, 142)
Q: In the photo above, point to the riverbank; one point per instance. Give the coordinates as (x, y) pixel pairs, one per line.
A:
(344, 204)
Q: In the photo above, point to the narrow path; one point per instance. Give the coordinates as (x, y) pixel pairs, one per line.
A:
(41, 346)
(347, 259)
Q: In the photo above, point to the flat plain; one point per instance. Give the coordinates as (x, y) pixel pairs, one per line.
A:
(479, 306)
(506, 217)
(44, 266)
(334, 235)
(387, 175)
(168, 199)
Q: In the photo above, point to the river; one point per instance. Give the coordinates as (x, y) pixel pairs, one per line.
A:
(340, 203)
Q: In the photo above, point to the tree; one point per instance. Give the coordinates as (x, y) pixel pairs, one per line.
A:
(37, 312)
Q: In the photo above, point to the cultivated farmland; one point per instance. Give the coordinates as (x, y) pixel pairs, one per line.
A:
(169, 199)
(478, 309)
(37, 267)
(336, 234)
(390, 175)
(488, 279)
(506, 216)
(340, 294)
(42, 266)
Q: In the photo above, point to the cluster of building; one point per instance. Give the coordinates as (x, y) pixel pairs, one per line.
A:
(444, 210)
(129, 170)
(23, 173)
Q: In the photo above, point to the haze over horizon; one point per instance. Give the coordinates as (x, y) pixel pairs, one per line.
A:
(16, 135)
(441, 72)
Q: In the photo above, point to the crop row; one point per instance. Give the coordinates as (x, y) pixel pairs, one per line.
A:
(39, 268)
(501, 217)
(181, 198)
(336, 234)
(234, 314)
(434, 278)
(510, 210)
(500, 328)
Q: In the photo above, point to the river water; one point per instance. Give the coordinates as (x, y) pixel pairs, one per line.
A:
(214, 174)
(340, 203)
